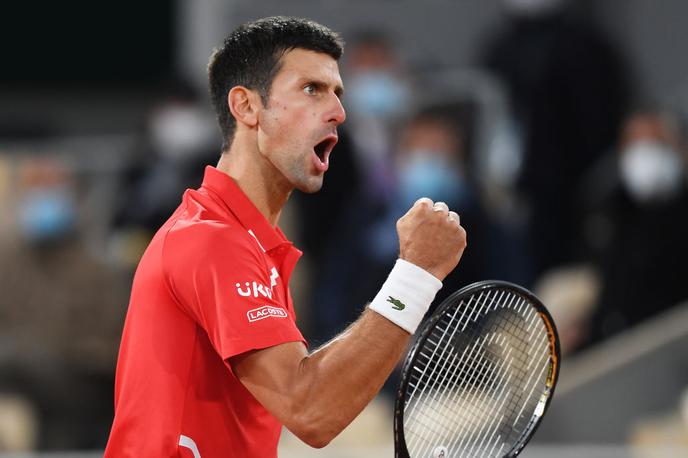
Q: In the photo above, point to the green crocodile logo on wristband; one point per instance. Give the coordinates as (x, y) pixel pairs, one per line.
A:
(396, 303)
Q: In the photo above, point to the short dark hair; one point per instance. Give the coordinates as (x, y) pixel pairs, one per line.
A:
(250, 56)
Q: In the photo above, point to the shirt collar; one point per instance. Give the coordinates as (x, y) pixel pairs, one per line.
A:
(226, 189)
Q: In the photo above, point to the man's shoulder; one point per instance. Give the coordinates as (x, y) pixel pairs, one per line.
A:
(198, 251)
(206, 238)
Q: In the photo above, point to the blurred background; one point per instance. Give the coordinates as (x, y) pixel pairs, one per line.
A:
(557, 129)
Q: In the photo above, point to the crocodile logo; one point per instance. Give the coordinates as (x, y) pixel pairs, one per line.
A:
(396, 303)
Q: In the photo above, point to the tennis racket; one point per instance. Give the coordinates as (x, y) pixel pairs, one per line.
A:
(479, 377)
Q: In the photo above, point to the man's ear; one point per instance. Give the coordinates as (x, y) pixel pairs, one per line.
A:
(244, 105)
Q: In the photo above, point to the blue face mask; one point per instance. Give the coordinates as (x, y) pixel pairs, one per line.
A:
(377, 93)
(428, 174)
(46, 214)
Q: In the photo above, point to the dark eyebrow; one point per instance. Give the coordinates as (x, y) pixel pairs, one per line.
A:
(338, 90)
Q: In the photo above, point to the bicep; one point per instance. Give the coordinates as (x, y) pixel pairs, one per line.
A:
(271, 375)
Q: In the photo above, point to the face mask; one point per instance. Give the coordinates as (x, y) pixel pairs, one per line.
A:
(377, 94)
(651, 171)
(180, 132)
(428, 174)
(46, 214)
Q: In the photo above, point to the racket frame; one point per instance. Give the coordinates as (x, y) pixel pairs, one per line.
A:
(400, 449)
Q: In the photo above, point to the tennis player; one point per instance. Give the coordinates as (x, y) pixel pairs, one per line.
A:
(211, 362)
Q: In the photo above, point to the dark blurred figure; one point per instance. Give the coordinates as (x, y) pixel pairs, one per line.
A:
(567, 89)
(179, 140)
(432, 161)
(639, 227)
(61, 311)
(378, 98)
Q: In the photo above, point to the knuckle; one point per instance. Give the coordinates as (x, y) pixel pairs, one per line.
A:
(440, 207)
(424, 202)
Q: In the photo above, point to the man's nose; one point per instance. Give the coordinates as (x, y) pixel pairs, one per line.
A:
(337, 114)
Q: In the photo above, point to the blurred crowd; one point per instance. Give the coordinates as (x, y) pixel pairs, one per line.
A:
(577, 189)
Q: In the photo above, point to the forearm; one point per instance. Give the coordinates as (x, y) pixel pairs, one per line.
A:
(337, 381)
(317, 395)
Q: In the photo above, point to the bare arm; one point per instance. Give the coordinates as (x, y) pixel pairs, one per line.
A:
(316, 396)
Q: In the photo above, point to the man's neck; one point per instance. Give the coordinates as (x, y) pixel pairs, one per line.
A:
(255, 176)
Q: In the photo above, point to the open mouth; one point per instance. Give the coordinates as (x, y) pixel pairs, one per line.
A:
(324, 148)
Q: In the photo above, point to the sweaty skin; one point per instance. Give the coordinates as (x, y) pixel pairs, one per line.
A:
(317, 395)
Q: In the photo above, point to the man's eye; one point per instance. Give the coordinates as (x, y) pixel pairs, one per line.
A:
(309, 89)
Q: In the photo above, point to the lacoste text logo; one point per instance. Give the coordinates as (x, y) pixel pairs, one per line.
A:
(396, 303)
(265, 311)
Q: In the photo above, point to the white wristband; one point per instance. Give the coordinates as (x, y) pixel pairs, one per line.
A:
(406, 295)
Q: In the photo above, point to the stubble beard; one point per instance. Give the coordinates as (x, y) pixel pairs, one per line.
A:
(300, 174)
(305, 181)
(295, 163)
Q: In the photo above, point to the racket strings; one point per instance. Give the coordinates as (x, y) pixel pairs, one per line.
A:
(433, 367)
(467, 423)
(467, 363)
(472, 424)
(474, 385)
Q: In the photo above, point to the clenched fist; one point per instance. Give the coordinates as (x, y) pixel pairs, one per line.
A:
(431, 237)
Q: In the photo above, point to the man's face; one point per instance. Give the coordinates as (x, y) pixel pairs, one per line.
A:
(298, 128)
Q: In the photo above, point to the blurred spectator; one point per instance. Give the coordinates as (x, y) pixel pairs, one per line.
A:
(61, 311)
(180, 139)
(638, 225)
(432, 161)
(378, 97)
(567, 89)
